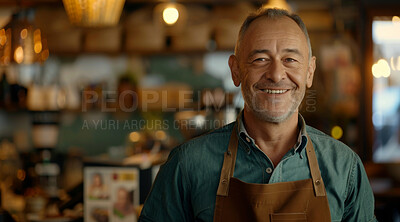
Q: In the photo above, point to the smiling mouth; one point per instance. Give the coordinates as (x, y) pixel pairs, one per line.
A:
(275, 91)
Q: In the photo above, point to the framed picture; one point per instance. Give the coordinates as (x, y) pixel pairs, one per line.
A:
(111, 194)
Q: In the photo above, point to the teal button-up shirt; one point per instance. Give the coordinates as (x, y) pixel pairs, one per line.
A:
(186, 185)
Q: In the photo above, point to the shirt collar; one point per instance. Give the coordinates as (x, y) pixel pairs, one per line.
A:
(301, 139)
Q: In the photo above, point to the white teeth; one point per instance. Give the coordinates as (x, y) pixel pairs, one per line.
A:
(272, 91)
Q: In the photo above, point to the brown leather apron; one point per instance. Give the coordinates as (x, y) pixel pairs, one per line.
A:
(303, 200)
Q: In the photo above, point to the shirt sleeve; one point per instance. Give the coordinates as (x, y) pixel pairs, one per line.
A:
(359, 203)
(169, 197)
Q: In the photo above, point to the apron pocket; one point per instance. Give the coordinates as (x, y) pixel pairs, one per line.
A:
(292, 217)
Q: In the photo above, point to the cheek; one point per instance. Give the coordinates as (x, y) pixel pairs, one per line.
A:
(297, 79)
(249, 81)
(298, 76)
(251, 76)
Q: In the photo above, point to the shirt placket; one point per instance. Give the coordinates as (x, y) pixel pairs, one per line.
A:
(278, 173)
(265, 163)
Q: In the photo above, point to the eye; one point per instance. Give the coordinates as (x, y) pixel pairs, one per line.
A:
(259, 60)
(290, 60)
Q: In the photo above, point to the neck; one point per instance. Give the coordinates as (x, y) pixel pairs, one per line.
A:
(274, 139)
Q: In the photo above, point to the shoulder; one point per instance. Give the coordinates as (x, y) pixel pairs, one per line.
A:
(324, 143)
(213, 140)
(335, 159)
(205, 148)
(200, 159)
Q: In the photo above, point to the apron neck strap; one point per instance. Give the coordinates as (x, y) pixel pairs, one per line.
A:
(228, 166)
(318, 183)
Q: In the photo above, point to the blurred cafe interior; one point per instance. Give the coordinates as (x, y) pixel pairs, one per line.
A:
(94, 94)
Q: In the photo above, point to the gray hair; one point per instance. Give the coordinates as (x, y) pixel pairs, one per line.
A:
(271, 13)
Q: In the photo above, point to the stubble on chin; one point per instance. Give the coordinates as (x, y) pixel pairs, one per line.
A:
(261, 111)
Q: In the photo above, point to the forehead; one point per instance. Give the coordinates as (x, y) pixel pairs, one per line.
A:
(282, 29)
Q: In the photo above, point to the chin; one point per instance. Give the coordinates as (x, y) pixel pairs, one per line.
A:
(267, 116)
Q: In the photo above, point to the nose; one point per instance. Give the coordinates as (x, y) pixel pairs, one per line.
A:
(275, 71)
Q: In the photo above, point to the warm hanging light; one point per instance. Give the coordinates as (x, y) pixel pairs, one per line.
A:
(3, 37)
(37, 41)
(170, 15)
(19, 55)
(381, 69)
(21, 42)
(5, 46)
(282, 4)
(94, 13)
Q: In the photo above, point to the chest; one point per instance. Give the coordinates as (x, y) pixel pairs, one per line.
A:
(252, 167)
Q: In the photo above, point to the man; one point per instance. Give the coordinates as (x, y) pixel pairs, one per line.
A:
(268, 165)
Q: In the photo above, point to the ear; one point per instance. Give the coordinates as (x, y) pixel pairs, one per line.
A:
(310, 71)
(234, 66)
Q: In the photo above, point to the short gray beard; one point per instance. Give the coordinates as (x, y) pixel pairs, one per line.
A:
(273, 119)
(264, 116)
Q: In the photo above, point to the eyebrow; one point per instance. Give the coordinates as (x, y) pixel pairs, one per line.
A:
(295, 51)
(260, 51)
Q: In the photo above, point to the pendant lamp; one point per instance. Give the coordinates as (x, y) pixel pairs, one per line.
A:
(21, 42)
(94, 13)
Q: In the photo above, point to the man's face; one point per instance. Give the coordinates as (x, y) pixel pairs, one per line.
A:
(273, 67)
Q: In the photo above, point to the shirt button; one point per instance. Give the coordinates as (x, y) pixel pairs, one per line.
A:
(268, 170)
(248, 139)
